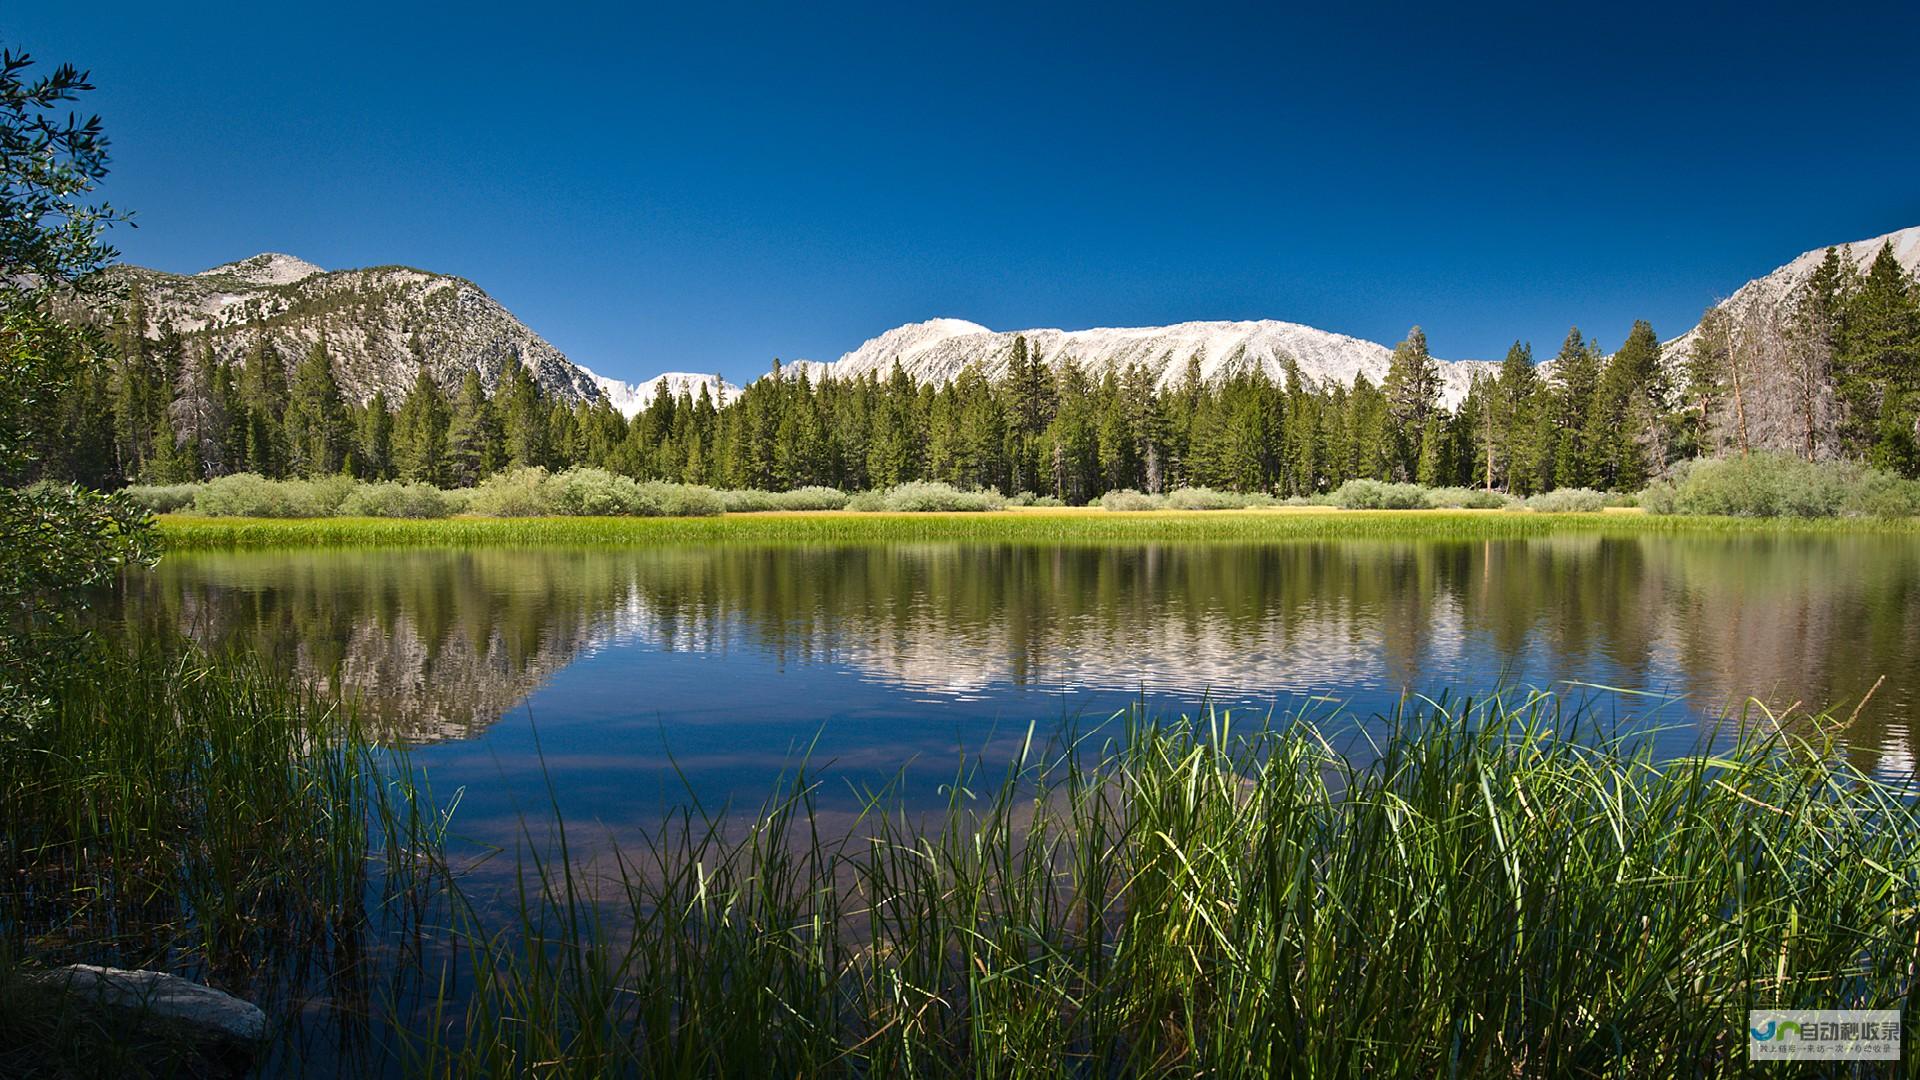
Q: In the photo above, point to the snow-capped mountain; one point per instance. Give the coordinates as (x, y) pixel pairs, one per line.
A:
(936, 351)
(1779, 286)
(629, 398)
(382, 321)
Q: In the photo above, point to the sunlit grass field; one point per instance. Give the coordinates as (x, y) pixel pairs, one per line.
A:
(1050, 525)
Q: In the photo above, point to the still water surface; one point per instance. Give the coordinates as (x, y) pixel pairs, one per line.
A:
(629, 677)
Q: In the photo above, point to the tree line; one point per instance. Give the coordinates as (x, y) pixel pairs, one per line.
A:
(1832, 371)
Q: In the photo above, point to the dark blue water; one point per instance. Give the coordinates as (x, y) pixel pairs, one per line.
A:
(617, 683)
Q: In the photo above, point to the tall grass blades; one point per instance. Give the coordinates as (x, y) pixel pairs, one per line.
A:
(1490, 890)
(1033, 526)
(204, 817)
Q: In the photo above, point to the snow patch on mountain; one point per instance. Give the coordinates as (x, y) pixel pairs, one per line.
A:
(936, 351)
(629, 398)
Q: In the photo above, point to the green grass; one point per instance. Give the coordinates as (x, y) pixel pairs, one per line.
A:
(1013, 526)
(203, 816)
(1483, 889)
(1493, 891)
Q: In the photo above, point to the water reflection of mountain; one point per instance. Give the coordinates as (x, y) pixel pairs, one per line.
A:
(437, 644)
(440, 642)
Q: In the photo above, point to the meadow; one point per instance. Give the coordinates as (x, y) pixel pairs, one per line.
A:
(1039, 525)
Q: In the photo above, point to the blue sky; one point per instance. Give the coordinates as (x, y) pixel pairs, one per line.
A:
(706, 190)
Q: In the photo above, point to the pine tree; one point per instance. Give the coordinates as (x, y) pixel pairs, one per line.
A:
(374, 438)
(475, 446)
(420, 433)
(316, 420)
(1513, 406)
(1878, 365)
(1031, 401)
(139, 390)
(1625, 423)
(1814, 329)
(523, 415)
(1372, 447)
(1576, 379)
(1412, 390)
(1071, 448)
(263, 397)
(199, 415)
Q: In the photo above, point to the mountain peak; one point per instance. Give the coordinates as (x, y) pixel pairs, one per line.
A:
(937, 350)
(629, 398)
(266, 268)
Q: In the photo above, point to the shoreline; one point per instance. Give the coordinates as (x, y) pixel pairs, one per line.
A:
(187, 532)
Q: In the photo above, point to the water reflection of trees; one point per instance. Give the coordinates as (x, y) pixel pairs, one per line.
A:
(440, 642)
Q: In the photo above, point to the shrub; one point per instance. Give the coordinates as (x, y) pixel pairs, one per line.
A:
(393, 499)
(1461, 498)
(1127, 499)
(659, 498)
(1881, 494)
(1660, 497)
(1204, 498)
(162, 498)
(1568, 501)
(1028, 498)
(1379, 495)
(749, 500)
(927, 496)
(253, 495)
(513, 493)
(588, 492)
(1781, 485)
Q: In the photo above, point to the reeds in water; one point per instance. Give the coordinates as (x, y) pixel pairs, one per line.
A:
(1492, 888)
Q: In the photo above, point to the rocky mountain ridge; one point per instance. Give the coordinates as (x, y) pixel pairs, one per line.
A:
(1779, 286)
(381, 322)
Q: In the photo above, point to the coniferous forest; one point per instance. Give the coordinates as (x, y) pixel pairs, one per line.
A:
(1832, 373)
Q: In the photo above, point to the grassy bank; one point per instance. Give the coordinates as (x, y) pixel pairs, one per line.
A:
(1013, 526)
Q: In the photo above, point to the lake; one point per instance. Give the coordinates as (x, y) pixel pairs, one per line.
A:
(622, 680)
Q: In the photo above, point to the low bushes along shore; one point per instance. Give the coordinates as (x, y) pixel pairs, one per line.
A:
(1756, 486)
